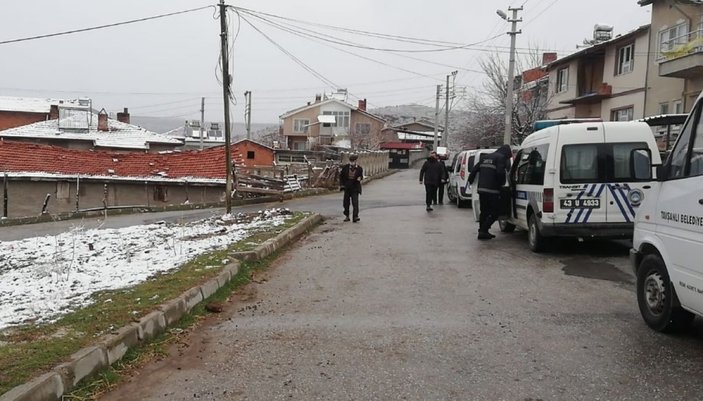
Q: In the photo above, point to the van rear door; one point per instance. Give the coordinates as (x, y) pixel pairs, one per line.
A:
(580, 193)
(624, 191)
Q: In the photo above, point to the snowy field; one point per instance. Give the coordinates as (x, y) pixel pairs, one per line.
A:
(42, 278)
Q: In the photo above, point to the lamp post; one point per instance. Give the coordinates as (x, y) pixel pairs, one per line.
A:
(511, 71)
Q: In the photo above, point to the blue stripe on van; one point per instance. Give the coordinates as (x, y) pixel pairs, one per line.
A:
(598, 194)
(619, 203)
(578, 217)
(571, 212)
(627, 200)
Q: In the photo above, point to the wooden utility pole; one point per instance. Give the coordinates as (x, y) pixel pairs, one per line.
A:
(226, 97)
(202, 120)
(436, 118)
(4, 196)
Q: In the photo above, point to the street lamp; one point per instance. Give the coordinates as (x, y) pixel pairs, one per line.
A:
(511, 72)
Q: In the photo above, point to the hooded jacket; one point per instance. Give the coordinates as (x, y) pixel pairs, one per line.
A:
(493, 168)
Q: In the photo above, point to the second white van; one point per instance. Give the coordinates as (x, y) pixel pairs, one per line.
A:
(579, 180)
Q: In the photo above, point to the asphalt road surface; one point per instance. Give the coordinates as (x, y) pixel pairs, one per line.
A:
(408, 305)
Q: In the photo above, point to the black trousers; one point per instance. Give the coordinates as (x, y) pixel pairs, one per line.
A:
(440, 193)
(430, 194)
(490, 210)
(351, 196)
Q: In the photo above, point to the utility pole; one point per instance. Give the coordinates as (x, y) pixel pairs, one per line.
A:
(202, 120)
(507, 137)
(445, 134)
(436, 118)
(226, 97)
(247, 113)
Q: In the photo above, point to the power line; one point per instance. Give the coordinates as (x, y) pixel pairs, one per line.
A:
(50, 35)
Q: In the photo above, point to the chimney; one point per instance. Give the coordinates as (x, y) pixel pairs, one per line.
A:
(102, 121)
(124, 116)
(362, 105)
(548, 58)
(54, 112)
(318, 98)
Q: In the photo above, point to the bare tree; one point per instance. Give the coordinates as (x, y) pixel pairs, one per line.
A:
(488, 104)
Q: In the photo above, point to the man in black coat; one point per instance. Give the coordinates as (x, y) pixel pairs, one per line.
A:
(350, 182)
(493, 169)
(432, 173)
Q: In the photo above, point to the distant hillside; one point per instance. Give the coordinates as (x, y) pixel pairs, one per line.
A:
(163, 124)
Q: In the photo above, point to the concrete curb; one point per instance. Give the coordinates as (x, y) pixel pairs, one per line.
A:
(270, 246)
(112, 347)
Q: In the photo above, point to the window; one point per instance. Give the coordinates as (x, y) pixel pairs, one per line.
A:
(341, 117)
(160, 193)
(621, 153)
(626, 59)
(363, 128)
(300, 126)
(624, 114)
(299, 145)
(696, 162)
(63, 190)
(562, 80)
(670, 38)
(531, 165)
(678, 107)
(580, 164)
(663, 108)
(251, 154)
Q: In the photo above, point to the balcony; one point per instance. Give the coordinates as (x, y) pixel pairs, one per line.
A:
(682, 56)
(604, 91)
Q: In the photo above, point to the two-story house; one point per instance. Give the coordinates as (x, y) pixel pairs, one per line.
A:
(607, 80)
(331, 122)
(676, 55)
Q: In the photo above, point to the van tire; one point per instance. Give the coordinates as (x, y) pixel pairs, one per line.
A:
(535, 239)
(506, 227)
(656, 297)
(450, 194)
(462, 204)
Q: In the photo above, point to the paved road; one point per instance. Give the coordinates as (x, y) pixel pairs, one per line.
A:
(407, 305)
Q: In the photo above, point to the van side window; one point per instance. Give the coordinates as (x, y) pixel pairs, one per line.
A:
(679, 155)
(470, 164)
(579, 164)
(696, 160)
(531, 165)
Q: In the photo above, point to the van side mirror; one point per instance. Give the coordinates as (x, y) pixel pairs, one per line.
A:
(641, 164)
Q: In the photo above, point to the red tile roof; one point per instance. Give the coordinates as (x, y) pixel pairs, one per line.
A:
(16, 157)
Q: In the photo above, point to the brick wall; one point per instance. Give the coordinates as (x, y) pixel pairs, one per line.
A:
(13, 119)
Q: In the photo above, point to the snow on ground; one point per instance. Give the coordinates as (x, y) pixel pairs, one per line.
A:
(42, 278)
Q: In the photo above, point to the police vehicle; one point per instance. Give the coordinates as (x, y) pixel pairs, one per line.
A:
(668, 234)
(459, 189)
(577, 179)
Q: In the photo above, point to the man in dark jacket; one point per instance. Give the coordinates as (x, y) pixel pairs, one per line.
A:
(432, 173)
(350, 182)
(445, 179)
(493, 170)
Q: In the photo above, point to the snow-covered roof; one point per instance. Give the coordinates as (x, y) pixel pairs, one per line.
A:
(30, 104)
(328, 101)
(119, 134)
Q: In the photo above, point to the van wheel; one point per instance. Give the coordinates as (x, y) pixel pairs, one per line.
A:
(534, 237)
(657, 299)
(450, 194)
(505, 226)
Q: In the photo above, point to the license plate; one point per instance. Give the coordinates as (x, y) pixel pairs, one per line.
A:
(579, 203)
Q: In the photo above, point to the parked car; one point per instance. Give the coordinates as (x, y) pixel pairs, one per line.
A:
(668, 234)
(459, 188)
(578, 180)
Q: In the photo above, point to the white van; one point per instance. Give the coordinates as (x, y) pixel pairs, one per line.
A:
(578, 180)
(459, 187)
(668, 236)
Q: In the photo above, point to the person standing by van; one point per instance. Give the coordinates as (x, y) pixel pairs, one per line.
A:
(350, 182)
(443, 183)
(432, 174)
(492, 171)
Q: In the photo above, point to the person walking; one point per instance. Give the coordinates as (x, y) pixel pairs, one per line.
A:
(432, 173)
(492, 171)
(350, 182)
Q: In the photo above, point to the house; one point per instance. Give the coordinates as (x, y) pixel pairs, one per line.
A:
(606, 80)
(19, 111)
(331, 121)
(402, 155)
(190, 133)
(77, 126)
(418, 131)
(676, 55)
(84, 179)
(252, 154)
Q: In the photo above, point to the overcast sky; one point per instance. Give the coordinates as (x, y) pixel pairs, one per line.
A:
(163, 67)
